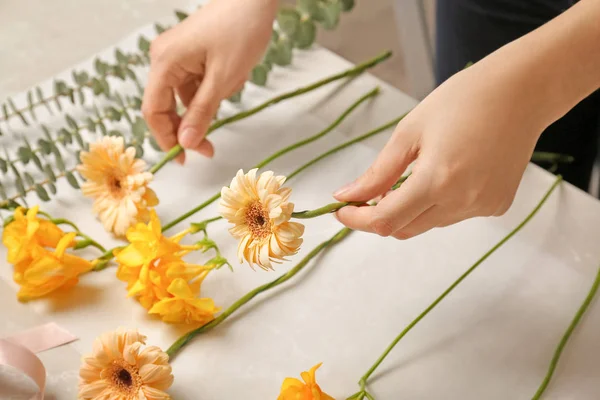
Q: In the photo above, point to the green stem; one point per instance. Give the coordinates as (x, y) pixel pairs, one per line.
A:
(62, 221)
(244, 114)
(182, 341)
(565, 338)
(366, 376)
(88, 242)
(280, 153)
(542, 156)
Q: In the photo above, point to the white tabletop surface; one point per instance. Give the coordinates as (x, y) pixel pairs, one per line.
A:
(491, 339)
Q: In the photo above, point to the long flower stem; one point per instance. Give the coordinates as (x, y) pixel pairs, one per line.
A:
(174, 349)
(565, 338)
(171, 154)
(365, 377)
(332, 207)
(278, 154)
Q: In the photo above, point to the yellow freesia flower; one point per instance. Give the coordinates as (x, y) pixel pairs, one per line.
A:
(154, 269)
(27, 231)
(294, 389)
(49, 271)
(184, 306)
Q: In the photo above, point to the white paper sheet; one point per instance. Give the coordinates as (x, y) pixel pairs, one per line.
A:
(491, 339)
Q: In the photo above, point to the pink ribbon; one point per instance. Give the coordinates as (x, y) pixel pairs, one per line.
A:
(18, 351)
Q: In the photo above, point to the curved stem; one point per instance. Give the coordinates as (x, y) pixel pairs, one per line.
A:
(88, 242)
(62, 221)
(244, 114)
(278, 154)
(554, 158)
(182, 341)
(565, 338)
(366, 376)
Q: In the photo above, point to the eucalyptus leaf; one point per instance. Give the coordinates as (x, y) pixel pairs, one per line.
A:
(71, 122)
(60, 88)
(81, 78)
(20, 186)
(101, 67)
(143, 44)
(236, 97)
(17, 111)
(52, 187)
(29, 179)
(306, 34)
(308, 7)
(72, 180)
(283, 55)
(41, 192)
(65, 137)
(288, 20)
(97, 87)
(330, 14)
(49, 173)
(259, 75)
(5, 111)
(139, 129)
(2, 192)
(347, 5)
(139, 151)
(79, 139)
(72, 96)
(102, 127)
(36, 160)
(90, 125)
(31, 105)
(24, 154)
(81, 96)
(159, 28)
(181, 15)
(44, 146)
(3, 165)
(122, 59)
(60, 163)
(112, 113)
(154, 144)
(42, 100)
(115, 133)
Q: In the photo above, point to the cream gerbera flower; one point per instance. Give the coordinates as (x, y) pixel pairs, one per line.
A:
(118, 183)
(259, 208)
(119, 369)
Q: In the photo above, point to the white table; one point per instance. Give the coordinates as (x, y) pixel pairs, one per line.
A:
(491, 339)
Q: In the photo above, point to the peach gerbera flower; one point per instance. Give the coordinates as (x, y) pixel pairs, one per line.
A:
(118, 369)
(118, 183)
(260, 210)
(294, 389)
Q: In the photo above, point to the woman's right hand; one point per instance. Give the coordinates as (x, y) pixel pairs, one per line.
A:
(204, 59)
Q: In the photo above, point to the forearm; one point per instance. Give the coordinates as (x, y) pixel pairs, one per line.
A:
(554, 67)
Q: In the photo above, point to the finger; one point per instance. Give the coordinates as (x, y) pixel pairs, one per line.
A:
(199, 114)
(187, 91)
(431, 218)
(205, 148)
(393, 160)
(393, 213)
(158, 107)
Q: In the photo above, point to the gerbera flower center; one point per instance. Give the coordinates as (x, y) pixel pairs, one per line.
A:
(124, 378)
(114, 185)
(258, 221)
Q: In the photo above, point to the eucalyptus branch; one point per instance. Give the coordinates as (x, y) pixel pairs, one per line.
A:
(278, 154)
(82, 80)
(367, 375)
(352, 72)
(185, 339)
(566, 336)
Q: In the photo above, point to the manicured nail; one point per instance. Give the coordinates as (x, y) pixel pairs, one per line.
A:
(206, 149)
(187, 137)
(344, 189)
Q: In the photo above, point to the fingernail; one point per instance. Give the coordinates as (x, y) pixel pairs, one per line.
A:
(187, 137)
(344, 189)
(206, 149)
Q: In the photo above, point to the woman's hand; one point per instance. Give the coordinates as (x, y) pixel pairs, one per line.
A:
(204, 59)
(471, 140)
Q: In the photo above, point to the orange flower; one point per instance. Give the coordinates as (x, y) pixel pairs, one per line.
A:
(294, 389)
(119, 369)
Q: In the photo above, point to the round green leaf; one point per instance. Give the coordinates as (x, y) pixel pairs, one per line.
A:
(347, 5)
(49, 173)
(24, 154)
(236, 98)
(288, 20)
(306, 34)
(44, 146)
(154, 144)
(283, 55)
(330, 14)
(52, 187)
(259, 75)
(308, 7)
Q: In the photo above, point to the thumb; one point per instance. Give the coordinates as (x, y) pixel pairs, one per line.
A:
(200, 113)
(393, 160)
